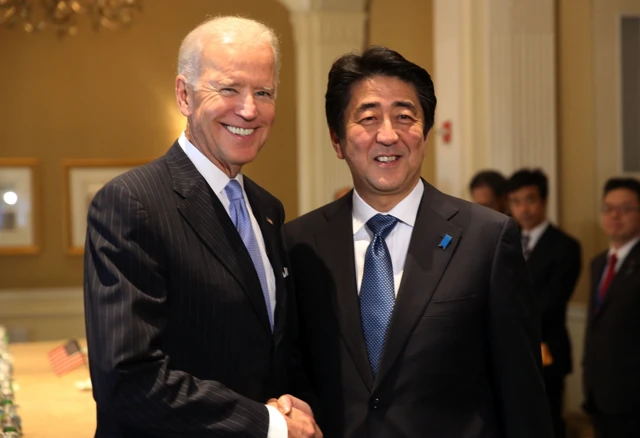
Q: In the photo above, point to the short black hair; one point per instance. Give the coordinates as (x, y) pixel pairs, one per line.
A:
(375, 61)
(528, 177)
(489, 178)
(622, 183)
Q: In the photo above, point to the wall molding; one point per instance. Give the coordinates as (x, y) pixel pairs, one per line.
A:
(41, 303)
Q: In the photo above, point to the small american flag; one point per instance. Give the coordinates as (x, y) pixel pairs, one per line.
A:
(66, 357)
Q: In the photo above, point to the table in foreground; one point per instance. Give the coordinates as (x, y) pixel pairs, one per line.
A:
(50, 406)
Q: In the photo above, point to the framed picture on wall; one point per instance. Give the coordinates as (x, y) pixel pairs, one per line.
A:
(83, 179)
(18, 206)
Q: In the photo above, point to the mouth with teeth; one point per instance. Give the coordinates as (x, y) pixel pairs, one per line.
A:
(387, 159)
(242, 132)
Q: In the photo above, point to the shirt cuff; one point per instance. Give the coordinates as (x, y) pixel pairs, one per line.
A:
(277, 424)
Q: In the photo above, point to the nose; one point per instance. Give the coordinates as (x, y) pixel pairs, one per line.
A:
(386, 134)
(247, 108)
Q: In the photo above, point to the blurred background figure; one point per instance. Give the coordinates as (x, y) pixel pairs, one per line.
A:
(488, 188)
(612, 357)
(554, 261)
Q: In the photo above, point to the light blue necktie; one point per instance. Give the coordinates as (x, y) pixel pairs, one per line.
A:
(242, 221)
(377, 294)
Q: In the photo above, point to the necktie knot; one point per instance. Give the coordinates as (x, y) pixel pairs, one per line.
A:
(613, 259)
(382, 224)
(233, 190)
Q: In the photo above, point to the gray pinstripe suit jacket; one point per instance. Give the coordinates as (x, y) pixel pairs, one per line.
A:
(177, 328)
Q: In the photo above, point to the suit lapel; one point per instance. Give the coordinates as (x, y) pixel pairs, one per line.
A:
(629, 266)
(425, 264)
(335, 246)
(542, 248)
(596, 274)
(265, 216)
(204, 212)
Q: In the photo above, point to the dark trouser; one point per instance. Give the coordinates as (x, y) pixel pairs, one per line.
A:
(615, 425)
(555, 394)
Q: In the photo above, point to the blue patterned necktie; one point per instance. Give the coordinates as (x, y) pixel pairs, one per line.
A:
(242, 221)
(377, 294)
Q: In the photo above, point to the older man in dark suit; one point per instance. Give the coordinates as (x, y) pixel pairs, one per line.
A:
(417, 318)
(612, 357)
(185, 272)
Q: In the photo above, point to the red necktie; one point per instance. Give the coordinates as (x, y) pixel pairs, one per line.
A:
(611, 272)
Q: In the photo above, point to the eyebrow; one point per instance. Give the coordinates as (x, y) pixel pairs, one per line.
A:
(398, 104)
(233, 84)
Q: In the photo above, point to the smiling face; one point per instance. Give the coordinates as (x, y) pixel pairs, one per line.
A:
(232, 109)
(383, 144)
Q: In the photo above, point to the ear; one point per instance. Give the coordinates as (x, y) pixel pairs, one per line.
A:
(335, 142)
(182, 96)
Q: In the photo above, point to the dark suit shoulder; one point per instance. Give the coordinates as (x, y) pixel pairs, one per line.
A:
(468, 216)
(141, 179)
(561, 238)
(265, 195)
(311, 221)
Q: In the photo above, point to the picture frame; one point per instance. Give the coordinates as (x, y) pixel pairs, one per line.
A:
(19, 206)
(82, 180)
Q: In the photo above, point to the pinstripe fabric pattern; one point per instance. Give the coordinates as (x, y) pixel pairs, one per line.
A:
(178, 334)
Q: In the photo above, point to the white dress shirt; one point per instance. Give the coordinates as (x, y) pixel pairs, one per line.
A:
(534, 235)
(621, 253)
(218, 180)
(398, 239)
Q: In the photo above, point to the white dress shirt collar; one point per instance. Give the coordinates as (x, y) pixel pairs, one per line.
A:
(215, 177)
(406, 210)
(535, 234)
(622, 252)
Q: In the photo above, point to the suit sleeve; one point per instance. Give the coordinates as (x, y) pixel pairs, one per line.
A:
(514, 336)
(560, 285)
(126, 302)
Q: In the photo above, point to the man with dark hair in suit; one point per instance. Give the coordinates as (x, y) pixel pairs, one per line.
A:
(489, 188)
(612, 357)
(554, 261)
(416, 315)
(186, 280)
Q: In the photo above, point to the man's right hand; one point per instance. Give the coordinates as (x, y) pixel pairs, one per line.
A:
(298, 415)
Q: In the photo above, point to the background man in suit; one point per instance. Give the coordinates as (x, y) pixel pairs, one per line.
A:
(554, 261)
(416, 313)
(489, 188)
(612, 357)
(185, 274)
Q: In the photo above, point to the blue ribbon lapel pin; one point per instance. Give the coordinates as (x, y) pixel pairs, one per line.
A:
(446, 240)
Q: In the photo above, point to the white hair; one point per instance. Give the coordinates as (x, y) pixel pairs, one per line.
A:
(216, 28)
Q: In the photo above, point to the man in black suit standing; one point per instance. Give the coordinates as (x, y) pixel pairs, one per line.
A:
(554, 261)
(416, 315)
(186, 302)
(612, 357)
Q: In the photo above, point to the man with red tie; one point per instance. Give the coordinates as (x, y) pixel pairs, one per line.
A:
(612, 356)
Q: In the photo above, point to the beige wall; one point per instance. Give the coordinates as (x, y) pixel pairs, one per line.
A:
(579, 192)
(110, 95)
(407, 26)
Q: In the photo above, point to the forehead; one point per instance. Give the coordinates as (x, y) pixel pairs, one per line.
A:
(382, 89)
(622, 195)
(238, 58)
